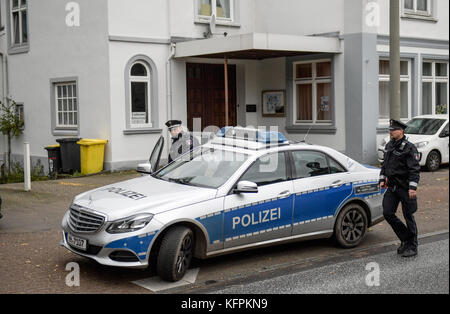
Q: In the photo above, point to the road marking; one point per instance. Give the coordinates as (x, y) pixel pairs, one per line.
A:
(156, 284)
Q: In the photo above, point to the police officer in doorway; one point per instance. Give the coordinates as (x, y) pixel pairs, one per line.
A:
(400, 174)
(182, 142)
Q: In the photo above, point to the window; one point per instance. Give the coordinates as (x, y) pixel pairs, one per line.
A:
(20, 114)
(418, 7)
(66, 105)
(312, 92)
(405, 90)
(140, 95)
(266, 170)
(312, 164)
(19, 22)
(222, 9)
(434, 87)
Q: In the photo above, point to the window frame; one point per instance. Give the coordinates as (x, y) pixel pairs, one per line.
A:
(433, 79)
(415, 11)
(200, 17)
(153, 101)
(12, 45)
(403, 78)
(20, 113)
(74, 86)
(314, 81)
(57, 129)
(141, 79)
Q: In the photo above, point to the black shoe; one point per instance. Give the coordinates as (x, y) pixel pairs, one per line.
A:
(409, 253)
(402, 248)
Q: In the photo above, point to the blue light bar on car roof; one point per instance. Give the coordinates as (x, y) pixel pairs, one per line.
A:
(267, 137)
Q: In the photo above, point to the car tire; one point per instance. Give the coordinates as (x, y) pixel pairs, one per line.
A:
(433, 161)
(351, 226)
(175, 253)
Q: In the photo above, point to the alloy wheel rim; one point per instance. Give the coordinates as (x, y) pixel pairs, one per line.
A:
(184, 255)
(434, 161)
(353, 226)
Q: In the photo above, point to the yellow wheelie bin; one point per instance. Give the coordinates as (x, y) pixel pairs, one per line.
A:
(92, 154)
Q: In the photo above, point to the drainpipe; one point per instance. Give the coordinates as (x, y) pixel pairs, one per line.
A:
(5, 86)
(169, 107)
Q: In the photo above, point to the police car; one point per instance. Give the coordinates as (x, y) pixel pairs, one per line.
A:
(244, 189)
(430, 134)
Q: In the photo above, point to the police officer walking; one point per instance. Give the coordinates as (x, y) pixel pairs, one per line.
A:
(182, 142)
(400, 174)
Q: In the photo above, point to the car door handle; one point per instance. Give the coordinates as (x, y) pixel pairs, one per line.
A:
(337, 183)
(284, 193)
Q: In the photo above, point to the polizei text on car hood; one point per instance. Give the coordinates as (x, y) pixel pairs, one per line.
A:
(145, 194)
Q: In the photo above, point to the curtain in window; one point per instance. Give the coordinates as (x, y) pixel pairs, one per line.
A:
(427, 98)
(24, 27)
(441, 98)
(384, 100)
(409, 4)
(205, 7)
(422, 5)
(223, 8)
(323, 101)
(304, 102)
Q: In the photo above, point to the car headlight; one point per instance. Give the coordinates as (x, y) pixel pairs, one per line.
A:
(130, 224)
(421, 144)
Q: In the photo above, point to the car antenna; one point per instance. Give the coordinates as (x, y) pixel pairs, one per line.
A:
(323, 108)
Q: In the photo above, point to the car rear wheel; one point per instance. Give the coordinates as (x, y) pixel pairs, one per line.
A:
(433, 161)
(175, 253)
(351, 226)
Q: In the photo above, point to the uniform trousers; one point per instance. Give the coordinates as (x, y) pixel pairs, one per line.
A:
(391, 200)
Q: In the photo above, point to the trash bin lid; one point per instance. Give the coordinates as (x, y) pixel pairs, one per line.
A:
(67, 140)
(87, 142)
(53, 146)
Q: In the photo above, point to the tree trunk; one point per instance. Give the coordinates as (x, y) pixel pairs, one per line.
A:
(9, 154)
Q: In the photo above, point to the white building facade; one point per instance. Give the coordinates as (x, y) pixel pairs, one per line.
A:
(118, 70)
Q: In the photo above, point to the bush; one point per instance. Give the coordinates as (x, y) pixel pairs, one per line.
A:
(17, 173)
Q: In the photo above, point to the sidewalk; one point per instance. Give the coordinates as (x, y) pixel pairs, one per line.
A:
(43, 208)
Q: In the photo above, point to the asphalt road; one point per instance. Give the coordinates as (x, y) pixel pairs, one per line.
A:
(384, 273)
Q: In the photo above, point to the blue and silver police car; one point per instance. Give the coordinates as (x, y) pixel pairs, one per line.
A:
(244, 189)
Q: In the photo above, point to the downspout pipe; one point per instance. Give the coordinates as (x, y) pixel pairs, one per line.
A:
(169, 106)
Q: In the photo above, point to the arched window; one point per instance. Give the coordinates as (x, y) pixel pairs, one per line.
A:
(140, 81)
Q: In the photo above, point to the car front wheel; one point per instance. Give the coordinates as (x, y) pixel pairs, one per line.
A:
(175, 253)
(351, 226)
(433, 161)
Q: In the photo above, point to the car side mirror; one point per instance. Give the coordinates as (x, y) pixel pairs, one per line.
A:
(246, 187)
(144, 168)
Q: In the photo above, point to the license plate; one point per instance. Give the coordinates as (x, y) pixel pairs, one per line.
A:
(77, 242)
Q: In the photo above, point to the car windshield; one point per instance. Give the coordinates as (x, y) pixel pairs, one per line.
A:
(424, 126)
(204, 167)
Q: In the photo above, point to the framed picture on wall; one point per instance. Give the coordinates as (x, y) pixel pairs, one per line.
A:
(274, 103)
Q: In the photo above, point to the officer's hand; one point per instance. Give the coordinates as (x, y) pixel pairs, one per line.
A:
(382, 184)
(412, 194)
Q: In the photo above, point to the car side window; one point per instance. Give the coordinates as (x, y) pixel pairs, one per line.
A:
(444, 132)
(335, 167)
(309, 164)
(267, 169)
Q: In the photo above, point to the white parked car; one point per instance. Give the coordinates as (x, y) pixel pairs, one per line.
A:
(242, 190)
(430, 134)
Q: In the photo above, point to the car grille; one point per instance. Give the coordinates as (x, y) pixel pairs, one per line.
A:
(82, 221)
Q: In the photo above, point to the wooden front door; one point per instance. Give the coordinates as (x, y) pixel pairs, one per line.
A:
(206, 94)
